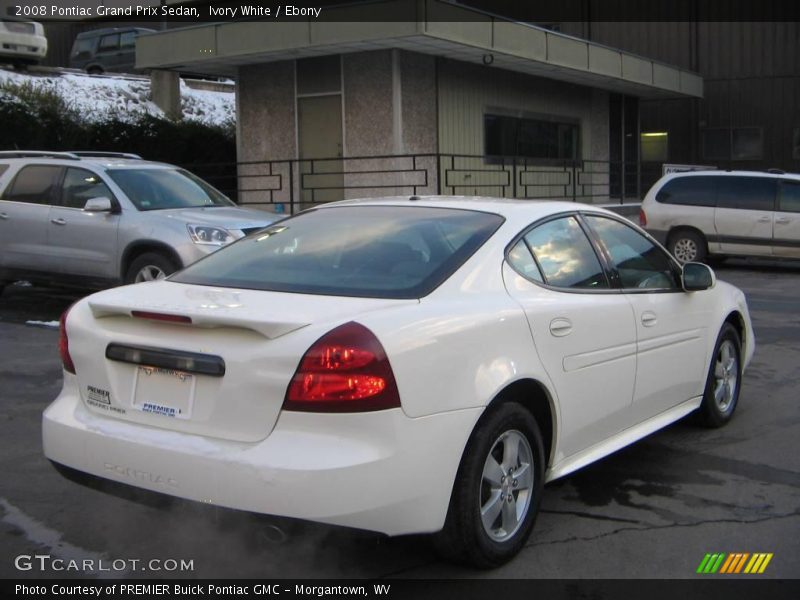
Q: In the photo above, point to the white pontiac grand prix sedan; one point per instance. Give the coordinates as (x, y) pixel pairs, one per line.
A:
(402, 365)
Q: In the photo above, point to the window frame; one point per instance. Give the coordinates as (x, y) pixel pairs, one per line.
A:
(606, 263)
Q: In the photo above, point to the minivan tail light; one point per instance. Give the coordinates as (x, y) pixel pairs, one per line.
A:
(346, 370)
(63, 343)
(642, 218)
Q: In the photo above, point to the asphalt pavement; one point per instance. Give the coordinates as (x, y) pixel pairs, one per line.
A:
(652, 510)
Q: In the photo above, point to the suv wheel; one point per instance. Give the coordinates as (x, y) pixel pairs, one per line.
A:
(497, 490)
(150, 266)
(688, 246)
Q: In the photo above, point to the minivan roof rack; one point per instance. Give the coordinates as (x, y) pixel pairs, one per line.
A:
(101, 154)
(38, 154)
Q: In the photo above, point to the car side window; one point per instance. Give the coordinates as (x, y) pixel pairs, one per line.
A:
(690, 190)
(640, 263)
(108, 43)
(521, 260)
(565, 255)
(81, 185)
(34, 184)
(746, 193)
(127, 40)
(789, 200)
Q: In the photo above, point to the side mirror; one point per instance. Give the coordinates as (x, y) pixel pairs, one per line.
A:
(101, 204)
(697, 277)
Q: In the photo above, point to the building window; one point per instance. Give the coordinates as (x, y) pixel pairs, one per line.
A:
(796, 143)
(654, 146)
(737, 143)
(540, 138)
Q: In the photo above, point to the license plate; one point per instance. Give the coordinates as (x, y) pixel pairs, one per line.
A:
(163, 392)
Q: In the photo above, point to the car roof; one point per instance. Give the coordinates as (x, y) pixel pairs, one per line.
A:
(510, 208)
(108, 30)
(720, 173)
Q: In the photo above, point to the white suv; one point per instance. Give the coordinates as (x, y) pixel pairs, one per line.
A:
(698, 214)
(98, 219)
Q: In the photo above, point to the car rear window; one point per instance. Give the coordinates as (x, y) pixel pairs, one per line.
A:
(362, 251)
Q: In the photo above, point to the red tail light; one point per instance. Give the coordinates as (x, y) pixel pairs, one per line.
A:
(154, 316)
(346, 370)
(642, 218)
(63, 344)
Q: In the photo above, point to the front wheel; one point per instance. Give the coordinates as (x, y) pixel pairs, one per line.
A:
(724, 379)
(150, 266)
(497, 490)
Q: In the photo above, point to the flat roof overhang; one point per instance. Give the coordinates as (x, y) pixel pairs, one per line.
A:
(439, 29)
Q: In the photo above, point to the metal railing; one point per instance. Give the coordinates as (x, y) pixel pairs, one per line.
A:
(294, 184)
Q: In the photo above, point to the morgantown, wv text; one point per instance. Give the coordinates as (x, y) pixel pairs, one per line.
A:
(144, 12)
(200, 590)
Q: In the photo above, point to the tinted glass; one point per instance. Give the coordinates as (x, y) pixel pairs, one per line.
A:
(127, 40)
(521, 259)
(109, 42)
(790, 197)
(640, 263)
(746, 193)
(364, 251)
(695, 190)
(83, 47)
(565, 255)
(158, 189)
(81, 185)
(34, 184)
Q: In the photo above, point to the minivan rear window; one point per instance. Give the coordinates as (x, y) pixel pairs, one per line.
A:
(695, 190)
(360, 251)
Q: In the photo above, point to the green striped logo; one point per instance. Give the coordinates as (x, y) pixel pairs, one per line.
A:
(734, 563)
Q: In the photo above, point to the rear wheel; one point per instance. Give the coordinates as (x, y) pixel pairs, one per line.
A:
(724, 379)
(150, 266)
(94, 70)
(497, 490)
(688, 246)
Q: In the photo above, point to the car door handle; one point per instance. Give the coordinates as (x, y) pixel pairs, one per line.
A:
(4, 216)
(58, 221)
(764, 219)
(560, 327)
(783, 220)
(649, 319)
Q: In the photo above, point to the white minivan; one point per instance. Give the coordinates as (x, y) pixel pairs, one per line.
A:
(698, 214)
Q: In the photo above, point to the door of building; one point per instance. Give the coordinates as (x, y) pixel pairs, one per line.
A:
(319, 122)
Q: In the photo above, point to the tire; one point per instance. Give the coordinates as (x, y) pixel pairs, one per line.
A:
(724, 379)
(94, 70)
(688, 246)
(485, 480)
(150, 266)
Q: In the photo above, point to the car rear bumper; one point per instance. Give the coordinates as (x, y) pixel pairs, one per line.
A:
(379, 471)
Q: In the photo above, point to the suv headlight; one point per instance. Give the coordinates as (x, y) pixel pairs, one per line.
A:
(211, 236)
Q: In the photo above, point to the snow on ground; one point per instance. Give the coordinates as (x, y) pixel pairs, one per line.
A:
(97, 97)
(48, 324)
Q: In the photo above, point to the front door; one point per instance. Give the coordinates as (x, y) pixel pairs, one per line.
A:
(85, 242)
(319, 121)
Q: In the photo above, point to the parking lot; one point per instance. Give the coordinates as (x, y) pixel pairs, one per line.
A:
(652, 510)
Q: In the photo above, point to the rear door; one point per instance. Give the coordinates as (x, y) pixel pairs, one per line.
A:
(86, 242)
(24, 214)
(744, 215)
(786, 240)
(583, 330)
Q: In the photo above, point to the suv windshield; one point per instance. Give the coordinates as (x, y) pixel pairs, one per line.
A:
(158, 189)
(363, 251)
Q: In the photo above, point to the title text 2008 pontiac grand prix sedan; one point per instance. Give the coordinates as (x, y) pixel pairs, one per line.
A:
(403, 365)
